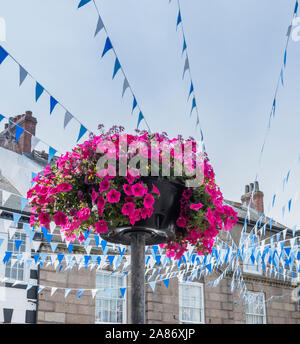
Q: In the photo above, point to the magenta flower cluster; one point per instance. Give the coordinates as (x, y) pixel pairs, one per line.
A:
(78, 197)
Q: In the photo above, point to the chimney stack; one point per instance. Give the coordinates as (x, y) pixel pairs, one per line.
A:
(257, 202)
(28, 123)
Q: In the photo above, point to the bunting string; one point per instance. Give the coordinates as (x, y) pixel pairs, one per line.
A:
(39, 90)
(117, 66)
(191, 94)
(272, 114)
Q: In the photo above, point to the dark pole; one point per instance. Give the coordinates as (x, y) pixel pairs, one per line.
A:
(138, 278)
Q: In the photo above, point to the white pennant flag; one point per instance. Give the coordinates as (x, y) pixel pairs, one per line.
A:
(34, 142)
(5, 196)
(88, 249)
(36, 245)
(94, 292)
(284, 233)
(11, 232)
(53, 290)
(52, 227)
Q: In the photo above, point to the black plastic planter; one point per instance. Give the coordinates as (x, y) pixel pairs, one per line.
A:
(160, 227)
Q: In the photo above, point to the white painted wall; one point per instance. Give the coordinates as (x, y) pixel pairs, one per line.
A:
(17, 169)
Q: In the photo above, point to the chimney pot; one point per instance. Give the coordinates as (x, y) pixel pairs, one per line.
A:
(251, 186)
(247, 189)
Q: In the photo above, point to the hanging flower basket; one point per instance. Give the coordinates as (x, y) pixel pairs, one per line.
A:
(115, 184)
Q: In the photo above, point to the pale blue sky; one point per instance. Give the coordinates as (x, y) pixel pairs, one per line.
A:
(235, 48)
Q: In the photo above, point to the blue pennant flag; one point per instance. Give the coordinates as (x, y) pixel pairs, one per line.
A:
(117, 67)
(296, 7)
(166, 282)
(3, 54)
(51, 154)
(191, 90)
(18, 243)
(155, 249)
(70, 247)
(1, 117)
(273, 202)
(111, 259)
(7, 257)
(86, 261)
(82, 131)
(289, 205)
(86, 234)
(97, 240)
(193, 105)
(100, 26)
(152, 285)
(178, 19)
(53, 103)
(208, 267)
(281, 77)
(122, 290)
(83, 2)
(80, 292)
(16, 218)
(19, 132)
(134, 104)
(60, 257)
(274, 107)
(284, 59)
(36, 258)
(141, 116)
(103, 244)
(23, 74)
(184, 45)
(107, 46)
(121, 251)
(24, 202)
(53, 246)
(158, 258)
(39, 89)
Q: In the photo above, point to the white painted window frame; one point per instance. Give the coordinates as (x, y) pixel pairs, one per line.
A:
(201, 310)
(124, 318)
(264, 316)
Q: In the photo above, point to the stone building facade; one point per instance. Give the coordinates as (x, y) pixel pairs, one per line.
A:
(191, 302)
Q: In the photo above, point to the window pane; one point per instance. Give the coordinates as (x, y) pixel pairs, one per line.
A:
(110, 307)
(255, 309)
(191, 303)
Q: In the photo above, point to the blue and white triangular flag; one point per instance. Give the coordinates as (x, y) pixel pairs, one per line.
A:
(107, 46)
(23, 74)
(99, 27)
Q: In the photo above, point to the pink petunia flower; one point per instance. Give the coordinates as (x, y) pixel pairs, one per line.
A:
(196, 206)
(101, 226)
(127, 189)
(83, 214)
(138, 190)
(64, 187)
(94, 195)
(155, 190)
(149, 201)
(128, 209)
(60, 218)
(181, 222)
(104, 185)
(113, 196)
(44, 219)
